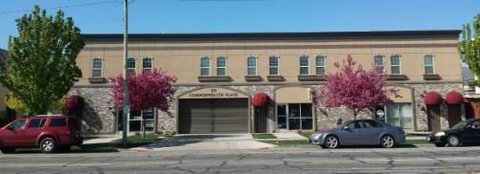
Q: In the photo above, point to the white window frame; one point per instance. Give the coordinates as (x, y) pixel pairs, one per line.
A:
(149, 69)
(277, 66)
(432, 65)
(383, 63)
(100, 69)
(134, 65)
(399, 64)
(303, 66)
(223, 67)
(252, 67)
(321, 66)
(206, 67)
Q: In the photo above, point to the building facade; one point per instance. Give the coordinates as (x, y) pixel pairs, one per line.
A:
(265, 82)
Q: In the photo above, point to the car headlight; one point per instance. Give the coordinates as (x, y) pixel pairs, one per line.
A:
(317, 136)
(439, 134)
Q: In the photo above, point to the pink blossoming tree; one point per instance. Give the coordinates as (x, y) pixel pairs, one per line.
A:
(354, 87)
(147, 90)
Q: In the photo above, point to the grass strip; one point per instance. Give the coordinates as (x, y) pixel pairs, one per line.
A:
(264, 136)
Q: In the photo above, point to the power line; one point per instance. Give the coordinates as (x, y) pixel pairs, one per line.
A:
(63, 7)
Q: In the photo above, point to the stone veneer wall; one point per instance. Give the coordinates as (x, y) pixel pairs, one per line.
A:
(98, 117)
(327, 119)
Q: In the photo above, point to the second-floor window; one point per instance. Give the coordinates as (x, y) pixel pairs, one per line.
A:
(428, 64)
(204, 66)
(273, 65)
(97, 67)
(130, 66)
(146, 64)
(303, 64)
(378, 63)
(221, 66)
(320, 65)
(395, 64)
(251, 66)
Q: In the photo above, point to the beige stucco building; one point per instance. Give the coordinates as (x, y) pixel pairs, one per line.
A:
(222, 76)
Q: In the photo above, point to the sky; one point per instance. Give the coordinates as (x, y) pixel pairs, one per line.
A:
(233, 16)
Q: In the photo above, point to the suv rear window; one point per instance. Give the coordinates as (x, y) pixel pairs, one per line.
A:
(36, 123)
(58, 122)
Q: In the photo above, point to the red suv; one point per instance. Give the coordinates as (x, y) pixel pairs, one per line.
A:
(50, 133)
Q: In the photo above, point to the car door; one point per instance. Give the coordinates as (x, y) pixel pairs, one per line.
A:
(33, 130)
(14, 134)
(476, 132)
(371, 132)
(349, 134)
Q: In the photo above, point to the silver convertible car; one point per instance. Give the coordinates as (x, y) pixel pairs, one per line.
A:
(359, 132)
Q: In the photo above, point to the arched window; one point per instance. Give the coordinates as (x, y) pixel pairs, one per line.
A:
(130, 66)
(251, 66)
(221, 66)
(147, 64)
(320, 65)
(273, 63)
(97, 67)
(428, 64)
(378, 62)
(205, 66)
(303, 64)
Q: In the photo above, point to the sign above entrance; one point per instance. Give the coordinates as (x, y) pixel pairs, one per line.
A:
(213, 93)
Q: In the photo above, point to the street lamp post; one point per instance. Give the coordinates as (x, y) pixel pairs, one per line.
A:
(126, 104)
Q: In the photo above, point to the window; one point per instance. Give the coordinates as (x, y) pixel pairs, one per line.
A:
(251, 66)
(294, 116)
(320, 65)
(18, 124)
(303, 63)
(378, 63)
(147, 65)
(130, 66)
(428, 64)
(97, 67)
(205, 66)
(273, 64)
(36, 123)
(58, 122)
(399, 114)
(221, 66)
(395, 64)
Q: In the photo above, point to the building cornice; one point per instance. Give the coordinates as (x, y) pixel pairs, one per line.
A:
(371, 35)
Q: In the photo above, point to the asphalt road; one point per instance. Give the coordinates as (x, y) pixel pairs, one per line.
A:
(279, 160)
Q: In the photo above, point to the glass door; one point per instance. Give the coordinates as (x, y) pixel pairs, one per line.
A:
(282, 116)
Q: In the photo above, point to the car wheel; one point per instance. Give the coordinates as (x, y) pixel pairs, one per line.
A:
(440, 144)
(331, 142)
(387, 141)
(7, 149)
(47, 145)
(453, 141)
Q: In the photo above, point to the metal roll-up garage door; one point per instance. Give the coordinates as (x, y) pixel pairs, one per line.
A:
(205, 116)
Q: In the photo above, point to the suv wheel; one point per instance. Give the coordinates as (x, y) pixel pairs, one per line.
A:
(47, 145)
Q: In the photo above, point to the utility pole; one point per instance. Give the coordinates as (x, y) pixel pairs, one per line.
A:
(126, 103)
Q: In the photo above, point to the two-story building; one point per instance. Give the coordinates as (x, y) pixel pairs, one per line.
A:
(265, 82)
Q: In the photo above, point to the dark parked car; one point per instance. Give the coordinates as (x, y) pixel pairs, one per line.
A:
(360, 132)
(49, 133)
(464, 132)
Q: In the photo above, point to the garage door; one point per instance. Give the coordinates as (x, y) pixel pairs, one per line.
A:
(206, 116)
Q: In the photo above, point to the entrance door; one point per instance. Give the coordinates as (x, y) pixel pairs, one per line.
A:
(260, 114)
(294, 116)
(433, 114)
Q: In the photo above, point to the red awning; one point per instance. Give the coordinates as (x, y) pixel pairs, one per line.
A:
(260, 99)
(432, 98)
(454, 98)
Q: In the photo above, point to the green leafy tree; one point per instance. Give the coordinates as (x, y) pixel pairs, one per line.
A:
(41, 67)
(469, 47)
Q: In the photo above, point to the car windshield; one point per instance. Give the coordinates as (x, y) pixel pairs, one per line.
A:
(460, 124)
